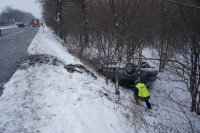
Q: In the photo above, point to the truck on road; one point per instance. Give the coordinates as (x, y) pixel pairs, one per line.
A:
(35, 22)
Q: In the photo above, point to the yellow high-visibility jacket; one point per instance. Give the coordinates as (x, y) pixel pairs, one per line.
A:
(142, 90)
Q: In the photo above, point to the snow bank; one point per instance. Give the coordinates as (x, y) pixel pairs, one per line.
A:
(48, 99)
(47, 43)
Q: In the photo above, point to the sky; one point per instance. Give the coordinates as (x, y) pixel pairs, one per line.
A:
(24, 5)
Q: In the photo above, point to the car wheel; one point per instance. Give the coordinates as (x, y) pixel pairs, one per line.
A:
(129, 68)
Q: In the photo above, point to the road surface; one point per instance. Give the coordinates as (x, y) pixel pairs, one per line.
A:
(14, 43)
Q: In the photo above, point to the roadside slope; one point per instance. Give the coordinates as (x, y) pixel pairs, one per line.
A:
(47, 98)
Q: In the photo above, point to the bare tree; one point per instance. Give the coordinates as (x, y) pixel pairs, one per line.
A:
(188, 52)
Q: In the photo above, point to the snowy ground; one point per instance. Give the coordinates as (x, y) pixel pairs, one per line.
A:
(48, 99)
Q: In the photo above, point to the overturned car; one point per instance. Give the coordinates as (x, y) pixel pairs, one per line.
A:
(129, 73)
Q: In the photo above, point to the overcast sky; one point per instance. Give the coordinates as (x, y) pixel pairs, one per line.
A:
(24, 5)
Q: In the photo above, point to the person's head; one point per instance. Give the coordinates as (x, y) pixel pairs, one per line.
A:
(142, 80)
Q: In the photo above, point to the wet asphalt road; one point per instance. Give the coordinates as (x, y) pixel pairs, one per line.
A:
(14, 43)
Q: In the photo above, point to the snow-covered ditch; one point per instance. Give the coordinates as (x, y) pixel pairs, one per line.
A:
(46, 98)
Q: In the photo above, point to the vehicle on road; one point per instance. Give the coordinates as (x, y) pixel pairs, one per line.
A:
(21, 25)
(35, 22)
(128, 73)
(0, 32)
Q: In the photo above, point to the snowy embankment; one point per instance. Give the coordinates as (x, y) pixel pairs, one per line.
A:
(46, 98)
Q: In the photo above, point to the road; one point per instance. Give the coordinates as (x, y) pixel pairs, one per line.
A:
(14, 43)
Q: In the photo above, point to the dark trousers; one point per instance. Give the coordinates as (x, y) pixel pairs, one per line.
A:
(145, 99)
(148, 104)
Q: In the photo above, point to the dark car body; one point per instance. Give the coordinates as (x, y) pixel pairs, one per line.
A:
(130, 73)
(21, 25)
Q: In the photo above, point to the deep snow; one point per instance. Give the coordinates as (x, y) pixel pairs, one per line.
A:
(46, 98)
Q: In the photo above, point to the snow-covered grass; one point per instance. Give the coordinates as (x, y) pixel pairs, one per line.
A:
(48, 99)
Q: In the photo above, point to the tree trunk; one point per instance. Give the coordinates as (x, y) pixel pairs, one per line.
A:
(59, 18)
(85, 23)
(193, 77)
(117, 81)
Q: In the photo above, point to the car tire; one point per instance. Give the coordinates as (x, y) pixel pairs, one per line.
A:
(129, 69)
